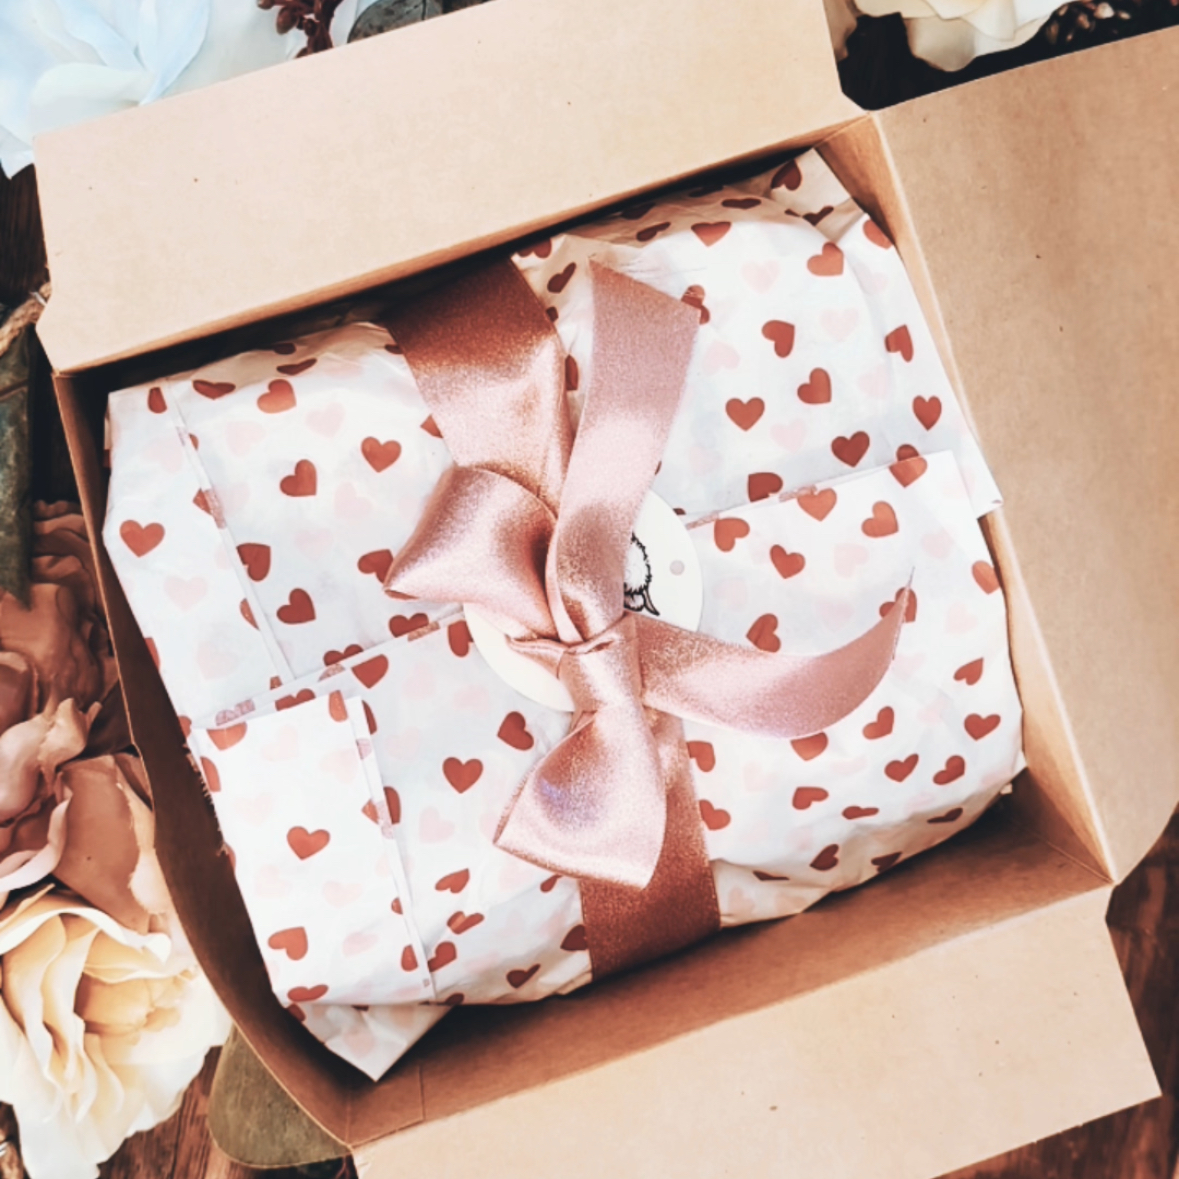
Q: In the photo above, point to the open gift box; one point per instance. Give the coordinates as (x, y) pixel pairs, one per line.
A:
(968, 1002)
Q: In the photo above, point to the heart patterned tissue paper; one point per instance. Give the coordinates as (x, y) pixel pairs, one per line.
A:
(382, 570)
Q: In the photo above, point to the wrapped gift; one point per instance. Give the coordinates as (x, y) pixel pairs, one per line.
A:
(381, 570)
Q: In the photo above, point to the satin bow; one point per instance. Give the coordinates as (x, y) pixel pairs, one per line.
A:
(533, 528)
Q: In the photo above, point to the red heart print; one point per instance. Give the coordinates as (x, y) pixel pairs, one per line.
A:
(980, 726)
(860, 812)
(307, 994)
(951, 816)
(883, 863)
(726, 532)
(789, 176)
(560, 281)
(155, 400)
(822, 214)
(762, 634)
(369, 719)
(185, 725)
(202, 500)
(899, 341)
(713, 817)
(572, 375)
(392, 803)
(910, 608)
(444, 955)
(808, 748)
(213, 389)
(462, 775)
(970, 673)
(431, 427)
(985, 575)
(369, 811)
(703, 754)
(851, 450)
(927, 410)
(395, 905)
(141, 538)
(906, 451)
(882, 522)
(152, 650)
(827, 859)
(877, 237)
(302, 482)
(285, 348)
(247, 613)
(292, 942)
(380, 455)
(745, 414)
(806, 796)
(400, 625)
(781, 335)
(211, 776)
(458, 635)
(454, 1000)
(293, 370)
(818, 504)
(694, 297)
(299, 608)
(545, 248)
(763, 485)
(297, 1012)
(816, 391)
(575, 940)
(300, 697)
(741, 202)
(337, 707)
(514, 732)
(306, 844)
(371, 671)
(907, 471)
(828, 263)
(378, 563)
(454, 882)
(898, 771)
(787, 564)
(460, 922)
(549, 884)
(652, 231)
(954, 768)
(333, 657)
(517, 978)
(710, 232)
(256, 559)
(228, 737)
(409, 959)
(881, 726)
(278, 398)
(768, 875)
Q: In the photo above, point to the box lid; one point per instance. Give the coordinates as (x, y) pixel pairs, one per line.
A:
(1044, 201)
(169, 221)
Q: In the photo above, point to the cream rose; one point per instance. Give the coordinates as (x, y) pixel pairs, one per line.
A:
(101, 1030)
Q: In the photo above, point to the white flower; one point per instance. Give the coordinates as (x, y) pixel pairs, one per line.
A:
(951, 33)
(62, 61)
(101, 1030)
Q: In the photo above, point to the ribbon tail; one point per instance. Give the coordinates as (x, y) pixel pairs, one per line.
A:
(704, 679)
(595, 807)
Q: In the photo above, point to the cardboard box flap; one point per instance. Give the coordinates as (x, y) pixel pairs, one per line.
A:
(928, 1063)
(176, 219)
(1049, 234)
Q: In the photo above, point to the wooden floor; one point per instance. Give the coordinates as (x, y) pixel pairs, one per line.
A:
(1141, 1143)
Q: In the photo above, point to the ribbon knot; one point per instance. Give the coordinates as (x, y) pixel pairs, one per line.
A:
(534, 527)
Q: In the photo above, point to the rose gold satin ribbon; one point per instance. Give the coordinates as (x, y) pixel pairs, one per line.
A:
(535, 531)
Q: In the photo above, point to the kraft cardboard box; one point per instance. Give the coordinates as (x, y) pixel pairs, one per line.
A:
(970, 1001)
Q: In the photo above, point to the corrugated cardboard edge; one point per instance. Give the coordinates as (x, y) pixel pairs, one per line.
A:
(1038, 1000)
